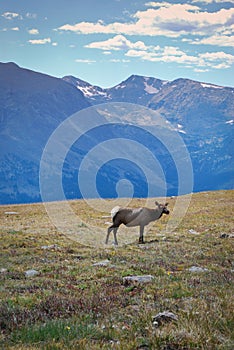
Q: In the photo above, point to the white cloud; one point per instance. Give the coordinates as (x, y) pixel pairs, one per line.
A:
(158, 4)
(200, 70)
(221, 66)
(171, 20)
(119, 42)
(227, 31)
(214, 56)
(14, 29)
(170, 54)
(216, 40)
(79, 60)
(172, 50)
(186, 21)
(31, 15)
(10, 15)
(33, 31)
(213, 1)
(54, 44)
(114, 60)
(40, 41)
(15, 15)
(166, 54)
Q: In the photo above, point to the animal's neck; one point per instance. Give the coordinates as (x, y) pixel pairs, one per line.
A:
(158, 213)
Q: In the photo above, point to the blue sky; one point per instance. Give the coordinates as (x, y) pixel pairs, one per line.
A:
(105, 41)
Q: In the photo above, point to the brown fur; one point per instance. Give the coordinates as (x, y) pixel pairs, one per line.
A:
(135, 217)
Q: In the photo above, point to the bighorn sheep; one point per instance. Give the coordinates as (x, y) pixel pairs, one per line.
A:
(135, 217)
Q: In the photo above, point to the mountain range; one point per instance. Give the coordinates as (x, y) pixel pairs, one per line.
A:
(33, 106)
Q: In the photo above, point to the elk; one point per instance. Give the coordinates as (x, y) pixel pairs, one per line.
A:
(135, 217)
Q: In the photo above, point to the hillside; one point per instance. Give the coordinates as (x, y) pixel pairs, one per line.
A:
(58, 293)
(32, 105)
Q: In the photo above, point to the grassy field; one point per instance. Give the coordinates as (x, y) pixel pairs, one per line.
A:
(72, 303)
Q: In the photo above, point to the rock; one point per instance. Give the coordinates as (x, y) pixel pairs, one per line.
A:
(102, 263)
(197, 269)
(49, 247)
(31, 273)
(226, 235)
(193, 232)
(138, 279)
(164, 317)
(3, 270)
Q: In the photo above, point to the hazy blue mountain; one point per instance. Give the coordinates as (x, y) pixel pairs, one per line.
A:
(135, 89)
(32, 106)
(202, 113)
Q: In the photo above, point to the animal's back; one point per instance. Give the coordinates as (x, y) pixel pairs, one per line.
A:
(133, 216)
(143, 216)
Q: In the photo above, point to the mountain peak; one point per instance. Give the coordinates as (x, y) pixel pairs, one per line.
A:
(89, 91)
(9, 66)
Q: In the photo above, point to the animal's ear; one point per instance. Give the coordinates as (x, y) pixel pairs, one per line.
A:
(166, 204)
(157, 203)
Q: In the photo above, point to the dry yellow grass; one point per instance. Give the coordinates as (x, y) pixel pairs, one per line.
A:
(72, 304)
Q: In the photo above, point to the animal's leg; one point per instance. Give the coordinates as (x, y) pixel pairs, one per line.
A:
(115, 237)
(114, 228)
(108, 232)
(141, 238)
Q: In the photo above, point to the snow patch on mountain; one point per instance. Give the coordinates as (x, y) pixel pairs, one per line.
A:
(150, 89)
(120, 86)
(181, 131)
(179, 128)
(211, 86)
(90, 91)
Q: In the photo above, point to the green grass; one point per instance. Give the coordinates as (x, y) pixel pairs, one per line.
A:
(72, 304)
(56, 331)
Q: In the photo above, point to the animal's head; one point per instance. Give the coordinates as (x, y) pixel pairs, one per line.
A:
(163, 208)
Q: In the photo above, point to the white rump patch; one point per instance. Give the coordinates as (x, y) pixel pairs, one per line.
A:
(114, 211)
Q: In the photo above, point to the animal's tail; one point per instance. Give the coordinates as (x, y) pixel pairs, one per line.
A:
(114, 211)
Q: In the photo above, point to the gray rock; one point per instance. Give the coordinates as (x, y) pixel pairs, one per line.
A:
(31, 273)
(3, 270)
(102, 263)
(164, 317)
(197, 269)
(226, 235)
(193, 232)
(11, 212)
(49, 247)
(138, 279)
